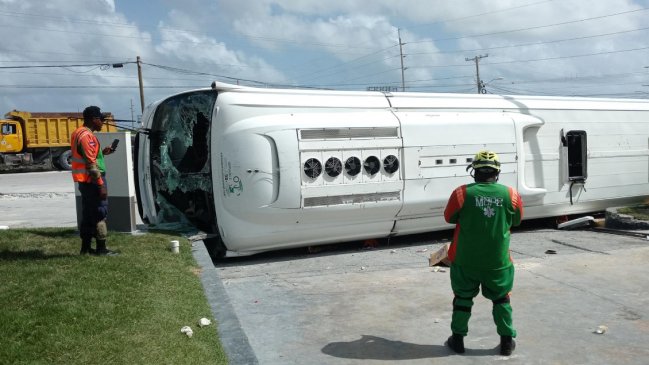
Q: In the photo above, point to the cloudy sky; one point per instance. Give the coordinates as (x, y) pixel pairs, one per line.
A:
(543, 47)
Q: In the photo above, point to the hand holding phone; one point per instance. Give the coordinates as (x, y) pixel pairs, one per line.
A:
(113, 146)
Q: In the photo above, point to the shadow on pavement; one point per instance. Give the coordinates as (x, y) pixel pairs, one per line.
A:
(378, 348)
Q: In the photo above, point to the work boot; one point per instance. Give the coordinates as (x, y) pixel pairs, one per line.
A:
(86, 247)
(507, 345)
(456, 343)
(103, 251)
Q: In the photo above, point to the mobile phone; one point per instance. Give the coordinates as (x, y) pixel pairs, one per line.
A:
(113, 146)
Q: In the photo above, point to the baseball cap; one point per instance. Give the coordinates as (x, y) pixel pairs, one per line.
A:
(92, 112)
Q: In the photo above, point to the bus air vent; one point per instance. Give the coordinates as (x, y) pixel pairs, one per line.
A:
(312, 168)
(353, 166)
(349, 133)
(333, 167)
(372, 165)
(391, 164)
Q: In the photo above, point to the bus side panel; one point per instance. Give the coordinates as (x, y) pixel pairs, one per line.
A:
(263, 191)
(437, 150)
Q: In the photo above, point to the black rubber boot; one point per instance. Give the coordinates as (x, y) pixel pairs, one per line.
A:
(103, 251)
(507, 345)
(456, 343)
(86, 247)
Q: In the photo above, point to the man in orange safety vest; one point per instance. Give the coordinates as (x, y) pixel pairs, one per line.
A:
(89, 172)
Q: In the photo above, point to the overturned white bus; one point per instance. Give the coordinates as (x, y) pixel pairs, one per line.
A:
(263, 169)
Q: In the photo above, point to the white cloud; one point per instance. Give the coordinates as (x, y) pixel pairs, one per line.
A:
(349, 43)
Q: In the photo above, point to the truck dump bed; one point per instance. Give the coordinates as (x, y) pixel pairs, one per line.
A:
(51, 129)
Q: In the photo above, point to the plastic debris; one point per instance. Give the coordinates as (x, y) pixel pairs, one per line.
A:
(601, 330)
(187, 330)
(438, 269)
(362, 267)
(550, 252)
(204, 322)
(436, 320)
(7, 227)
(395, 251)
(580, 222)
(422, 250)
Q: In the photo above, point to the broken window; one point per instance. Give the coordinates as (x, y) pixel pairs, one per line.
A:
(180, 161)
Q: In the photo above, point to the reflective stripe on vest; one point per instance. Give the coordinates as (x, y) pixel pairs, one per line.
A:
(79, 168)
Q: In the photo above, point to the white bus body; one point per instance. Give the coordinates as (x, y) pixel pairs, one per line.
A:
(242, 163)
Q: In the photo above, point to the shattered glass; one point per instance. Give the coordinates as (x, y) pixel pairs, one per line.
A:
(180, 162)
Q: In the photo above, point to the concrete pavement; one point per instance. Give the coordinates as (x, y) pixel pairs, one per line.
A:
(37, 199)
(387, 306)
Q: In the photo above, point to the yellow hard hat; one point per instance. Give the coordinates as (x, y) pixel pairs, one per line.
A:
(486, 159)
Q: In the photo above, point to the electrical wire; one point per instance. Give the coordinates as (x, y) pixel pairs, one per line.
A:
(528, 44)
(63, 66)
(530, 28)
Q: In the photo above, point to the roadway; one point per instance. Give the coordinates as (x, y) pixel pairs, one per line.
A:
(37, 199)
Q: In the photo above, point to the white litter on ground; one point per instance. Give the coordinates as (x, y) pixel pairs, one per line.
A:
(187, 330)
(601, 330)
(204, 322)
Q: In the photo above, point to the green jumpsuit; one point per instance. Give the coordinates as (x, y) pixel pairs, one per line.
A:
(483, 214)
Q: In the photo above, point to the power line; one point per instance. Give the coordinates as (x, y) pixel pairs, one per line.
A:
(482, 14)
(64, 66)
(530, 28)
(528, 44)
(348, 62)
(16, 86)
(537, 59)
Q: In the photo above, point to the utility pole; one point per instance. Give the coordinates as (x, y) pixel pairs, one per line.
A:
(139, 77)
(403, 82)
(132, 114)
(476, 59)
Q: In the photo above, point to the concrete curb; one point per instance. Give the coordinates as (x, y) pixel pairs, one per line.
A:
(623, 221)
(233, 338)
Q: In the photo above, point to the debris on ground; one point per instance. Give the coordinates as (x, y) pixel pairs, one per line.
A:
(204, 322)
(550, 252)
(187, 330)
(440, 256)
(581, 222)
(601, 330)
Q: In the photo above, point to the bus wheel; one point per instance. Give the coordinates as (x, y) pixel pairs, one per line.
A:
(215, 247)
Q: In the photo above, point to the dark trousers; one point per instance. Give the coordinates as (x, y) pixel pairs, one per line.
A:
(93, 210)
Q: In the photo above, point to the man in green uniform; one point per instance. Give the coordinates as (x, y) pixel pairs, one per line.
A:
(483, 213)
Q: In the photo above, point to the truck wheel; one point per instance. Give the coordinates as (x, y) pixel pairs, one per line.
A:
(64, 160)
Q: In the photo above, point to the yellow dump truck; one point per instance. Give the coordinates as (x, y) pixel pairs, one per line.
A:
(39, 140)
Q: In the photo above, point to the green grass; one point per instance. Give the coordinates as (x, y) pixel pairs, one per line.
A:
(640, 212)
(58, 307)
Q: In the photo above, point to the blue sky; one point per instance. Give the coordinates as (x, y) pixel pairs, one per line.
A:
(544, 47)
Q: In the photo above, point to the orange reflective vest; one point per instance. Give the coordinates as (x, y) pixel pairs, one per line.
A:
(85, 150)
